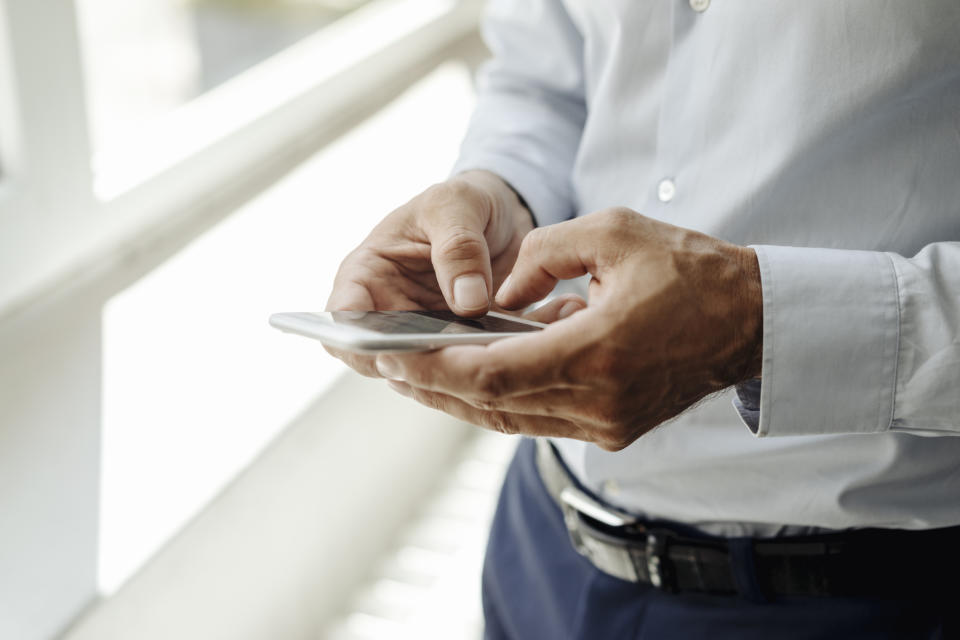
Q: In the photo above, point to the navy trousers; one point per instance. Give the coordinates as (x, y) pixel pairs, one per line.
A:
(536, 586)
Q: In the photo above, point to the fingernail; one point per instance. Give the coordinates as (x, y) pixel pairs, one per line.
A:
(389, 368)
(400, 387)
(568, 309)
(503, 288)
(470, 292)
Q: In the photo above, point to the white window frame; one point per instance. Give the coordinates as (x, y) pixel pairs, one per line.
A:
(220, 148)
(71, 236)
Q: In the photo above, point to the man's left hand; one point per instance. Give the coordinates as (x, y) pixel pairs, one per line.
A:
(673, 316)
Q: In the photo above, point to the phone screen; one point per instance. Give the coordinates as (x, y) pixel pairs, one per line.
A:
(405, 322)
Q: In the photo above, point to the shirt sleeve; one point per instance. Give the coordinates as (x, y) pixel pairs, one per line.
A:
(530, 107)
(857, 342)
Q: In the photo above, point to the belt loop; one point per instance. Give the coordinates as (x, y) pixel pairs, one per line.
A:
(743, 566)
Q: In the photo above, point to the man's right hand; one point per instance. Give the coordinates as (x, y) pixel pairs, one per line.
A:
(450, 247)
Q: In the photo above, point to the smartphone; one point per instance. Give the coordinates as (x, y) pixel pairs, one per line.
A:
(397, 331)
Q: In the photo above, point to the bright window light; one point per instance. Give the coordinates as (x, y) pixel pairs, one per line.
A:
(195, 381)
(143, 59)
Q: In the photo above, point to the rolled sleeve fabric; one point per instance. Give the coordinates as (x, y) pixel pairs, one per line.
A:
(531, 107)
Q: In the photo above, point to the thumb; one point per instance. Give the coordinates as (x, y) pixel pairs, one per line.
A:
(461, 261)
(547, 254)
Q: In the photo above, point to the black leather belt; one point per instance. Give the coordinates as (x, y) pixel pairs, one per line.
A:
(864, 562)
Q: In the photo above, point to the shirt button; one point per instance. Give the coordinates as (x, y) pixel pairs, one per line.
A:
(666, 190)
(699, 5)
(611, 488)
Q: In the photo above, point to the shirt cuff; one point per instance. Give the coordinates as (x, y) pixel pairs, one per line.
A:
(546, 204)
(830, 339)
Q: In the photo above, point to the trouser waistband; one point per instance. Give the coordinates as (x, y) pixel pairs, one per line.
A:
(863, 562)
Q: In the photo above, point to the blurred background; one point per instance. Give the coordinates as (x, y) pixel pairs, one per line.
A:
(171, 173)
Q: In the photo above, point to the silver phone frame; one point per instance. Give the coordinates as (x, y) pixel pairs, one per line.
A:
(359, 340)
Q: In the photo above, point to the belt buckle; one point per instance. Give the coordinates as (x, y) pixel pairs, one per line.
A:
(577, 505)
(655, 561)
(580, 501)
(659, 569)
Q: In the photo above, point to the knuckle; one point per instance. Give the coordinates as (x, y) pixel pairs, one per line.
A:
(430, 400)
(603, 417)
(533, 241)
(357, 254)
(461, 244)
(501, 423)
(350, 262)
(609, 417)
(613, 223)
(614, 427)
(616, 439)
(618, 217)
(485, 403)
(613, 445)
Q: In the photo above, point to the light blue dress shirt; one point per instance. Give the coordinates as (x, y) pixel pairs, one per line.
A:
(826, 134)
